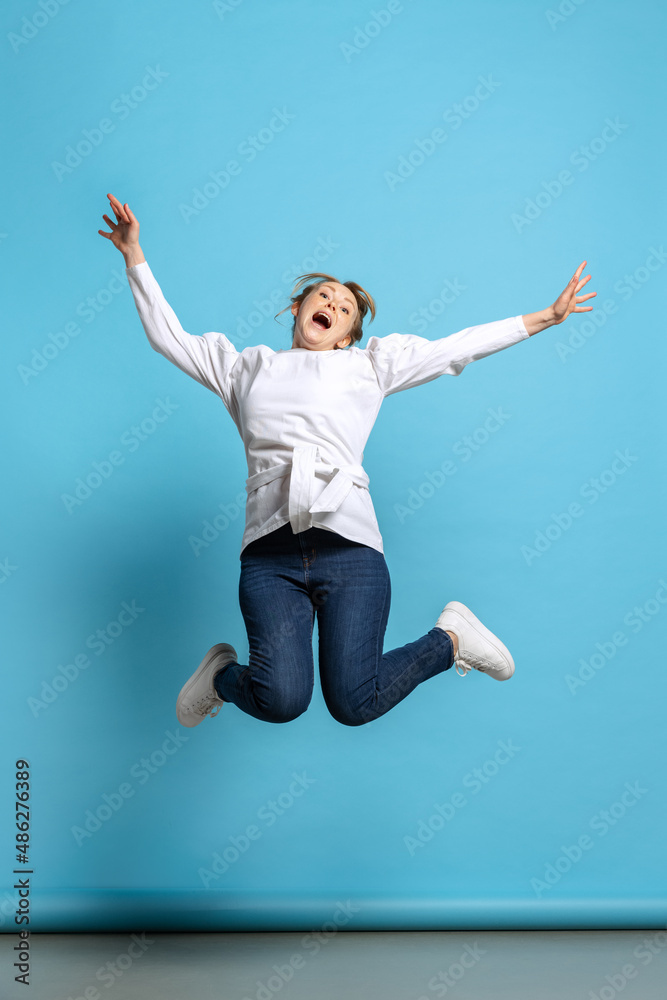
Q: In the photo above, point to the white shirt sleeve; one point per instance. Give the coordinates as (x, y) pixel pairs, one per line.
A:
(404, 360)
(208, 358)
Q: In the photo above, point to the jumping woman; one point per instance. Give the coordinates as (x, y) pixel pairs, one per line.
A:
(311, 543)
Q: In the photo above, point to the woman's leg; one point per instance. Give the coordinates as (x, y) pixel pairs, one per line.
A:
(277, 684)
(351, 589)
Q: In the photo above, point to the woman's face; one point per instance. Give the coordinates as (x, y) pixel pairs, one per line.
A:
(330, 303)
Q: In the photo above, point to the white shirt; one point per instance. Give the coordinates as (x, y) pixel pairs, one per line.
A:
(305, 416)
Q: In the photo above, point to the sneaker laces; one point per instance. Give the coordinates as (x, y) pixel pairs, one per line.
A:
(483, 666)
(461, 663)
(204, 705)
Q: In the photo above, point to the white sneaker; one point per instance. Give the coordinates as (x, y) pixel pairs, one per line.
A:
(478, 649)
(198, 696)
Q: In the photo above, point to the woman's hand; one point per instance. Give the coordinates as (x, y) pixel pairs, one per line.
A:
(566, 303)
(124, 232)
(568, 300)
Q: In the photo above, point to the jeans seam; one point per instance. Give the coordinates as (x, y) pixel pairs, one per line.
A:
(379, 651)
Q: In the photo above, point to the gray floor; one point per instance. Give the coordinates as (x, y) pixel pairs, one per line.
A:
(392, 965)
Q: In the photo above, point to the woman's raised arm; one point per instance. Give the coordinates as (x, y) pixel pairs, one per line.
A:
(209, 358)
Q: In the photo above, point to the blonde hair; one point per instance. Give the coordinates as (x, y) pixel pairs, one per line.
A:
(365, 302)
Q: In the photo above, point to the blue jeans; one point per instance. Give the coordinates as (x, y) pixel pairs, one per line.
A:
(285, 580)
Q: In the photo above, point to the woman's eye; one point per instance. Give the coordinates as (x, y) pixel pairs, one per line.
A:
(345, 310)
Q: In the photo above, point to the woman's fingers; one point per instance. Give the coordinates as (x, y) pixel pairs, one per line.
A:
(113, 202)
(108, 221)
(123, 213)
(118, 209)
(568, 301)
(575, 276)
(582, 298)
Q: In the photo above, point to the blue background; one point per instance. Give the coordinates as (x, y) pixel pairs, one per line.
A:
(482, 210)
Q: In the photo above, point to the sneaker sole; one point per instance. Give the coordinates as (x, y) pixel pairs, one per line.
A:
(500, 648)
(213, 653)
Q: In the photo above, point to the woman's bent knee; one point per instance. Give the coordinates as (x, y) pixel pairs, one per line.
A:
(284, 709)
(348, 716)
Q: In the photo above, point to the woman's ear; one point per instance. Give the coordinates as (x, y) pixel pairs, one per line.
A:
(294, 308)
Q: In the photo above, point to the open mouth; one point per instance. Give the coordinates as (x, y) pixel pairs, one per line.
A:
(322, 320)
